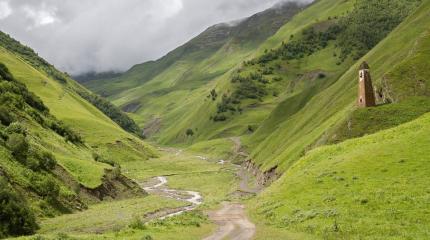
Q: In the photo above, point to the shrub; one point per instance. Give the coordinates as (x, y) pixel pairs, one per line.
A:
(6, 117)
(101, 159)
(220, 118)
(16, 127)
(45, 187)
(190, 132)
(213, 94)
(137, 223)
(113, 112)
(19, 146)
(5, 73)
(47, 161)
(15, 216)
(69, 135)
(147, 237)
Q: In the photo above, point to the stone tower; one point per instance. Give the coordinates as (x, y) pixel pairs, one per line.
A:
(366, 95)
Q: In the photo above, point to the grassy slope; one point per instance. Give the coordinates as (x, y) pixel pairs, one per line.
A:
(197, 109)
(177, 93)
(368, 188)
(99, 131)
(294, 135)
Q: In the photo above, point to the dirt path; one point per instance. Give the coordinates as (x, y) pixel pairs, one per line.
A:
(233, 223)
(242, 173)
(158, 186)
(231, 219)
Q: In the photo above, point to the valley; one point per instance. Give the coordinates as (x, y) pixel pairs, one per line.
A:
(183, 189)
(253, 129)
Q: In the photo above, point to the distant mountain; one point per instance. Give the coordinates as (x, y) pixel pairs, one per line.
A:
(248, 32)
(95, 76)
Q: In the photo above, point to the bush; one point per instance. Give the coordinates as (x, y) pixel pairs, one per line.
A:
(19, 146)
(190, 132)
(6, 117)
(213, 94)
(41, 160)
(45, 187)
(138, 224)
(47, 161)
(113, 112)
(101, 159)
(15, 216)
(16, 127)
(20, 90)
(69, 135)
(5, 73)
(220, 118)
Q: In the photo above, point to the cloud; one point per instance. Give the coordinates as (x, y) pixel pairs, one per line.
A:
(41, 16)
(5, 9)
(101, 35)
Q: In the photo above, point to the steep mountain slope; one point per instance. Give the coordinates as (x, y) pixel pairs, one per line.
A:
(373, 187)
(152, 89)
(318, 121)
(58, 151)
(169, 114)
(33, 149)
(63, 97)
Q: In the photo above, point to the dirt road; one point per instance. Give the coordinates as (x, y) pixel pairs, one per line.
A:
(233, 223)
(231, 219)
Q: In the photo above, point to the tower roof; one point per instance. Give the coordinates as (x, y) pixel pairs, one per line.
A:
(364, 65)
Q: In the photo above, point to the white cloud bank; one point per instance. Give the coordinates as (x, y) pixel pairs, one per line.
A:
(101, 35)
(5, 9)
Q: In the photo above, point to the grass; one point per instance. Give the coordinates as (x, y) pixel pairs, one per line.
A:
(107, 216)
(368, 188)
(217, 148)
(125, 220)
(371, 120)
(99, 132)
(117, 219)
(295, 135)
(187, 171)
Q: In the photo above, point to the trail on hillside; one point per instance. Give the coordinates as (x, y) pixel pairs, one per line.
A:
(157, 186)
(231, 218)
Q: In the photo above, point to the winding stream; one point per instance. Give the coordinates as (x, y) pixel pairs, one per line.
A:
(158, 186)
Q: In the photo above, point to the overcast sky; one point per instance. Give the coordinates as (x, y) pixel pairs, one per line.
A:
(100, 35)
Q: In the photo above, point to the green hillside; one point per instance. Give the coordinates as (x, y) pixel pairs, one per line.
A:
(365, 188)
(318, 121)
(57, 150)
(368, 188)
(63, 97)
(151, 91)
(32, 143)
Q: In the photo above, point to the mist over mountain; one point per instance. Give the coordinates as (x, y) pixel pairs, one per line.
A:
(83, 36)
